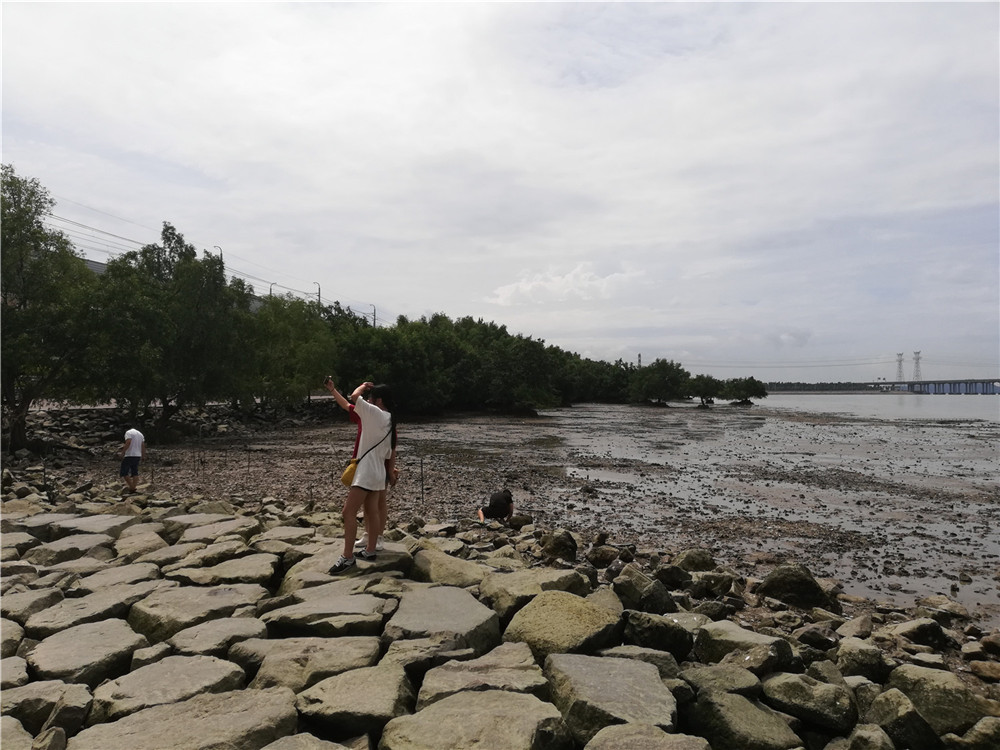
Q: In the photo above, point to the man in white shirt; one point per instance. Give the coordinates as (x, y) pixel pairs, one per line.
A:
(133, 451)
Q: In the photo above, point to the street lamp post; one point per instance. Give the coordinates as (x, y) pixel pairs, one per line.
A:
(318, 290)
(271, 288)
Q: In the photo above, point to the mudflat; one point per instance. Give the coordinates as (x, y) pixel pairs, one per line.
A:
(893, 509)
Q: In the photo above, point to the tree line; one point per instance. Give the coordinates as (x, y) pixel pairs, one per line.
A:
(163, 328)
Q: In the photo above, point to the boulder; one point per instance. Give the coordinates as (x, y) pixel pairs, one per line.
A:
(862, 657)
(434, 566)
(10, 637)
(298, 663)
(732, 722)
(103, 604)
(942, 698)
(244, 719)
(358, 702)
(13, 736)
(794, 584)
(47, 701)
(487, 719)
(726, 678)
(510, 666)
(641, 592)
(70, 548)
(898, 717)
(357, 614)
(560, 622)
(214, 638)
(166, 612)
(13, 672)
(509, 592)
(89, 653)
(643, 737)
(593, 692)
(664, 661)
(445, 612)
(830, 707)
(170, 680)
(20, 606)
(716, 639)
(257, 568)
(662, 632)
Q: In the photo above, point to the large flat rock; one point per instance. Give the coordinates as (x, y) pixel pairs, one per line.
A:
(448, 613)
(89, 653)
(238, 720)
(165, 613)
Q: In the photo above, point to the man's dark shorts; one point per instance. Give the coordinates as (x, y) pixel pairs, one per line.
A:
(130, 466)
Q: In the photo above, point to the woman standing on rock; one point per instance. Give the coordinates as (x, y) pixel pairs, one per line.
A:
(376, 451)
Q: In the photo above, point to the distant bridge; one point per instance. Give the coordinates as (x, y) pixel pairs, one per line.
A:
(963, 386)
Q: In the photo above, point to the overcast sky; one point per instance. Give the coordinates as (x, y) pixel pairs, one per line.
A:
(789, 191)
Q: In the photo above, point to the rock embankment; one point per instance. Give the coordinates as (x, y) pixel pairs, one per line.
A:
(182, 623)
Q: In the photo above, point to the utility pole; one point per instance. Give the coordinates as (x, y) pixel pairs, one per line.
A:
(318, 298)
(374, 323)
(899, 367)
(916, 367)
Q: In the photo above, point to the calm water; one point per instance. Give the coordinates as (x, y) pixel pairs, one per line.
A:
(890, 405)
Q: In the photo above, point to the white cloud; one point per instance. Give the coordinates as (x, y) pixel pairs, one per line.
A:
(715, 181)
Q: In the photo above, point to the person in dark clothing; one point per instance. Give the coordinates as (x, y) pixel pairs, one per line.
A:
(501, 507)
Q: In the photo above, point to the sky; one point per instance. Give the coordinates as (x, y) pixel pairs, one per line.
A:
(789, 191)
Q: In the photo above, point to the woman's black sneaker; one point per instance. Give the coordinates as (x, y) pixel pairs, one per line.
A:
(343, 564)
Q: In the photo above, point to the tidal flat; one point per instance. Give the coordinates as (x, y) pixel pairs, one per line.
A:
(893, 509)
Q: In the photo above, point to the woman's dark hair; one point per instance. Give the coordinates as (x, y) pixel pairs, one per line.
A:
(384, 392)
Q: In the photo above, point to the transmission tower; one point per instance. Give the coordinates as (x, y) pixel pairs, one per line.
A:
(916, 366)
(899, 367)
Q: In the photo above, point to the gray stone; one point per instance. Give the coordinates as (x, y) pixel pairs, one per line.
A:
(359, 701)
(560, 622)
(580, 690)
(298, 663)
(942, 698)
(244, 527)
(304, 742)
(863, 737)
(509, 666)
(864, 658)
(89, 653)
(640, 592)
(175, 526)
(143, 657)
(732, 722)
(224, 550)
(258, 568)
(13, 672)
(134, 573)
(244, 719)
(726, 678)
(19, 541)
(134, 546)
(695, 559)
(489, 719)
(664, 661)
(70, 548)
(716, 639)
(509, 592)
(99, 524)
(20, 606)
(215, 637)
(34, 703)
(12, 735)
(445, 612)
(663, 632)
(434, 566)
(10, 637)
(165, 613)
(107, 603)
(170, 680)
(169, 555)
(358, 614)
(924, 631)
(830, 707)
(643, 737)
(794, 584)
(985, 735)
(898, 717)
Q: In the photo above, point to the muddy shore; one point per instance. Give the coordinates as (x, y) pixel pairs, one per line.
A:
(892, 509)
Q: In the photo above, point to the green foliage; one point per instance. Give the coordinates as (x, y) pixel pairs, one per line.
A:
(705, 387)
(46, 292)
(164, 326)
(663, 380)
(743, 389)
(173, 328)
